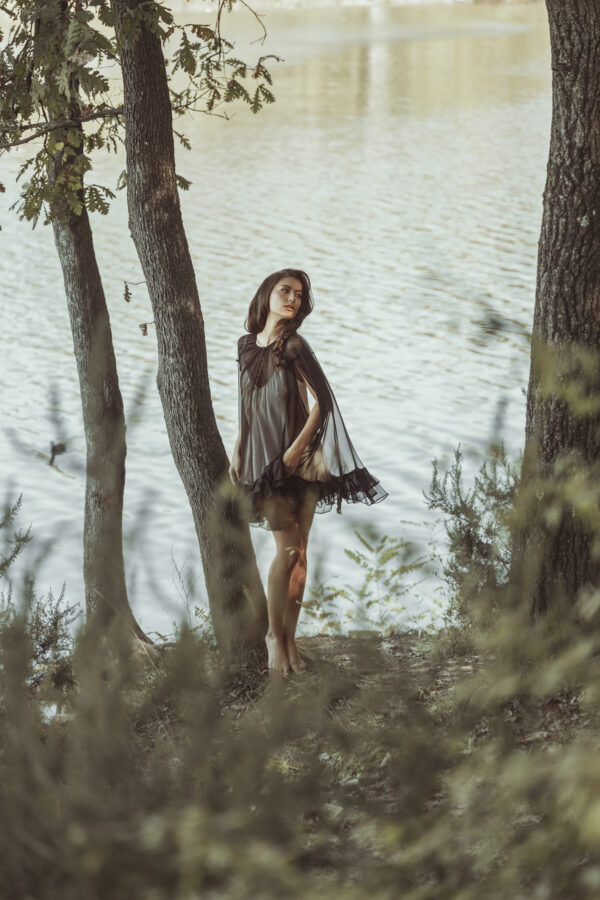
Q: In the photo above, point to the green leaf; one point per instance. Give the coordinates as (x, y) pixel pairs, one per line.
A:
(203, 32)
(96, 198)
(63, 81)
(236, 91)
(183, 140)
(268, 97)
(75, 205)
(185, 57)
(182, 183)
(105, 14)
(75, 137)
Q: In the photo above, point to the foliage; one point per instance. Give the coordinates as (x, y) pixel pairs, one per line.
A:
(393, 767)
(50, 85)
(15, 542)
(381, 772)
(374, 604)
(47, 626)
(55, 91)
(478, 533)
(45, 621)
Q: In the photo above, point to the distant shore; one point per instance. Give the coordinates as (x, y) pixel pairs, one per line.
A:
(314, 4)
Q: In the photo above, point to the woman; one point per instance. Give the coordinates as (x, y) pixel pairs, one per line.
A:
(289, 462)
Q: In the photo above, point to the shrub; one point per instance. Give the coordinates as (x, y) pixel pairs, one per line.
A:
(478, 536)
(46, 620)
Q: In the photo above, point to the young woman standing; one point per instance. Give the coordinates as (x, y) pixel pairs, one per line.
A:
(289, 461)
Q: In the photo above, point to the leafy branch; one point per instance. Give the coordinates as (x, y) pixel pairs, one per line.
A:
(52, 84)
(53, 126)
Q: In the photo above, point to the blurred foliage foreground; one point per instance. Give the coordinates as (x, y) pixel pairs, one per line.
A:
(459, 763)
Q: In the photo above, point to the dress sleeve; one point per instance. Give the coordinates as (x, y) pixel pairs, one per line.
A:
(348, 478)
(242, 418)
(306, 367)
(331, 433)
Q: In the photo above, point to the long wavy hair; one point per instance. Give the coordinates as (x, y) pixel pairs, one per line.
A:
(259, 309)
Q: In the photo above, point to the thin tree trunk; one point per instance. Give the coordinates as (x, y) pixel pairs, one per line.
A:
(555, 546)
(103, 419)
(236, 596)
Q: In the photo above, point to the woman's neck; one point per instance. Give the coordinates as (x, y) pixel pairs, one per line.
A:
(269, 334)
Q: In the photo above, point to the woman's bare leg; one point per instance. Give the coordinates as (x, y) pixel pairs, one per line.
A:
(292, 611)
(286, 541)
(297, 584)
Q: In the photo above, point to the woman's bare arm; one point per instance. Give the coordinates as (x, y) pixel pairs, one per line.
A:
(236, 461)
(310, 426)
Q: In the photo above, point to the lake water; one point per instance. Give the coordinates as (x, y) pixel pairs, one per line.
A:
(402, 166)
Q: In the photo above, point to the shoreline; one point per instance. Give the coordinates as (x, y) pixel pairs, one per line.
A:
(285, 5)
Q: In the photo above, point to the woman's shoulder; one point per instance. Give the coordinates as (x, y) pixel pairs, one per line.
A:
(295, 345)
(242, 345)
(244, 341)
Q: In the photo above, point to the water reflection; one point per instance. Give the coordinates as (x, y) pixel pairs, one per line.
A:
(378, 59)
(403, 166)
(422, 70)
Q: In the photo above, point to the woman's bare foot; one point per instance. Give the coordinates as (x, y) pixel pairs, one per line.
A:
(278, 659)
(295, 660)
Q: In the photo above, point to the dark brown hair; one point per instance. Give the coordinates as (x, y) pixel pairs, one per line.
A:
(259, 309)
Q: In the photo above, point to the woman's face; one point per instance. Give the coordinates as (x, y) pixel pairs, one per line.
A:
(286, 298)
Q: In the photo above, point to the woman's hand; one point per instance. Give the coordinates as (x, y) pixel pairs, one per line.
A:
(290, 459)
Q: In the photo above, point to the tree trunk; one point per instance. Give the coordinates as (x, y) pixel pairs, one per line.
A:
(103, 419)
(236, 596)
(556, 547)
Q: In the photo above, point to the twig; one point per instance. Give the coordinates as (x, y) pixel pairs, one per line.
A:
(259, 20)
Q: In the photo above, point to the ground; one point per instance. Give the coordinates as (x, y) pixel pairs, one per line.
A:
(393, 697)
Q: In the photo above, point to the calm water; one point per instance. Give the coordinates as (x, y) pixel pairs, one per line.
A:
(402, 166)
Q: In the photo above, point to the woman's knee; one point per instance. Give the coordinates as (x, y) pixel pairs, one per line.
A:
(293, 554)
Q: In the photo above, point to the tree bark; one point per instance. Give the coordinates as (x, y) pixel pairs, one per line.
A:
(236, 596)
(556, 548)
(103, 419)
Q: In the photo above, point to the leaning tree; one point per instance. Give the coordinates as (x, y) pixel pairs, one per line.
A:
(42, 82)
(236, 595)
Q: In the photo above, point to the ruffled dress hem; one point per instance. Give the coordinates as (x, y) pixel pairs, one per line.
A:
(353, 487)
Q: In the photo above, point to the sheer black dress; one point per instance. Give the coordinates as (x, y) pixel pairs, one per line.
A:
(273, 408)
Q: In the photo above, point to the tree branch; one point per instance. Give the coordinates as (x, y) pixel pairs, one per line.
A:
(65, 123)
